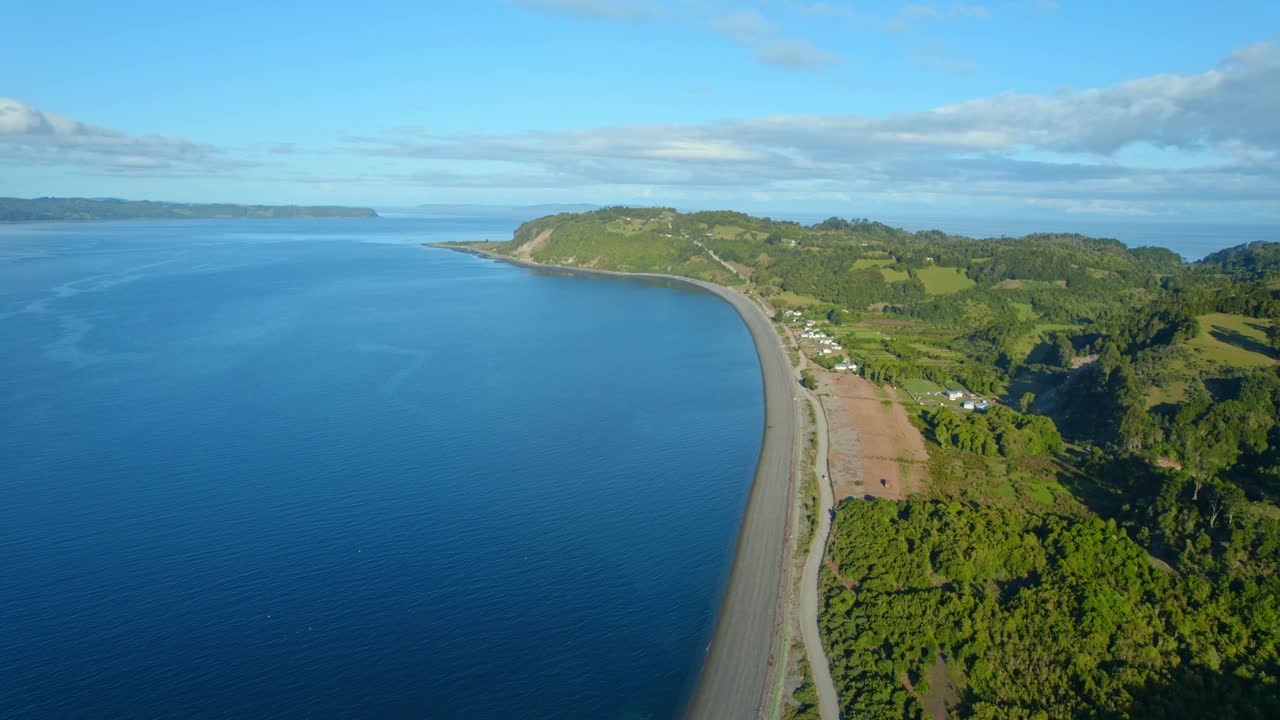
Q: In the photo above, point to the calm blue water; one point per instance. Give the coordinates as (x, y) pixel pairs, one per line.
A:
(314, 469)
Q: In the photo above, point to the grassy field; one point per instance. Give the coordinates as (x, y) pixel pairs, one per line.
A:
(1034, 484)
(1034, 345)
(1233, 340)
(865, 330)
(1173, 393)
(893, 275)
(871, 262)
(936, 351)
(1026, 311)
(786, 297)
(920, 385)
(939, 280)
(1040, 284)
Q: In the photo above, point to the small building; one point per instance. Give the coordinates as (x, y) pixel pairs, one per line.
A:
(824, 351)
(836, 346)
(982, 406)
(954, 394)
(968, 405)
(840, 366)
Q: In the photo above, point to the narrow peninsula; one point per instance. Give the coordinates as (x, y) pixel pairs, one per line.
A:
(1053, 461)
(51, 209)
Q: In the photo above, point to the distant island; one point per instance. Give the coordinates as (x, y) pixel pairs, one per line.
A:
(49, 209)
(531, 210)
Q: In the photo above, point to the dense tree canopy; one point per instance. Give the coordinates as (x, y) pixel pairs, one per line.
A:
(1043, 617)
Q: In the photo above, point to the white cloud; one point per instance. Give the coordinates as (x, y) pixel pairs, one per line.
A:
(1215, 131)
(606, 10)
(30, 135)
(18, 118)
(916, 13)
(768, 43)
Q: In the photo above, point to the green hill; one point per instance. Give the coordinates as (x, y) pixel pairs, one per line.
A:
(1256, 259)
(1113, 549)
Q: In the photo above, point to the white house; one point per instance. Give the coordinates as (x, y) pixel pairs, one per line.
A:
(836, 346)
(982, 406)
(968, 405)
(954, 394)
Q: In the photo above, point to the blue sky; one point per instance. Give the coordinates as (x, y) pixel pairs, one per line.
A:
(1162, 110)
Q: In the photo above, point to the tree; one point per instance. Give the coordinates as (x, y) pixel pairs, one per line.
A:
(1028, 398)
(1223, 497)
(1063, 351)
(808, 380)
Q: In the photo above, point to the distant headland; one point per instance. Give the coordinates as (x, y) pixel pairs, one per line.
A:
(49, 209)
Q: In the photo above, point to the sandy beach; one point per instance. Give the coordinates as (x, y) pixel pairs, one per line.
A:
(736, 674)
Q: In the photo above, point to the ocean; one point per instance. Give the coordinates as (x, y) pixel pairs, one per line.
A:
(314, 469)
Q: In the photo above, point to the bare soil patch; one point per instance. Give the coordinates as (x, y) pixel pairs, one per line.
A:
(942, 693)
(525, 252)
(874, 449)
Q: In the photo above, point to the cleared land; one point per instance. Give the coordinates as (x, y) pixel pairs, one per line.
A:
(871, 262)
(1233, 340)
(893, 275)
(874, 449)
(939, 280)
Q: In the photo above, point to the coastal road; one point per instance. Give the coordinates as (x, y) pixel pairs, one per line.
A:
(736, 672)
(828, 700)
(716, 257)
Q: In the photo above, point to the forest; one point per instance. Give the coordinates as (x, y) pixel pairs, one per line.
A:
(1038, 616)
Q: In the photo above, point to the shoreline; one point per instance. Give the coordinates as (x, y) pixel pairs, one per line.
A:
(734, 680)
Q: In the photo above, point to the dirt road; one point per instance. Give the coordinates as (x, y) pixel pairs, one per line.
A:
(828, 700)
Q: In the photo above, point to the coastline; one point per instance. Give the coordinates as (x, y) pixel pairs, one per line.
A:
(82, 221)
(735, 676)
